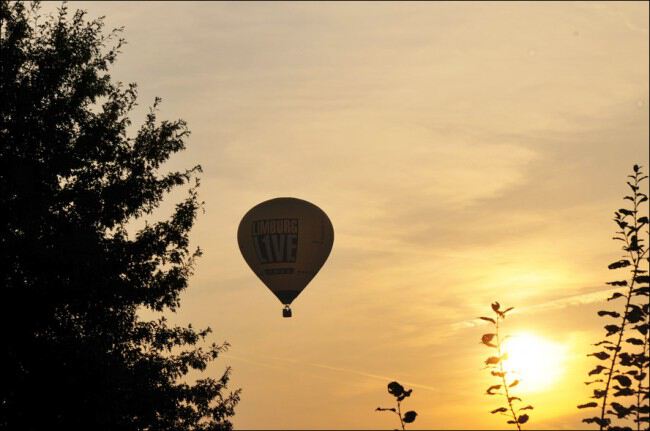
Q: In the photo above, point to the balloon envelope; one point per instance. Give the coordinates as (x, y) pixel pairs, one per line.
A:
(285, 241)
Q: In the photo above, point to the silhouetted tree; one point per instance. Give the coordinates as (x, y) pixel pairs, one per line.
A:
(75, 353)
(625, 357)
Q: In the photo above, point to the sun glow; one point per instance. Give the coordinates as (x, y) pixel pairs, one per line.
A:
(536, 362)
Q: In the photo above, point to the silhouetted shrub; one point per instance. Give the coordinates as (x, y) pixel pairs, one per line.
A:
(624, 371)
(494, 340)
(398, 391)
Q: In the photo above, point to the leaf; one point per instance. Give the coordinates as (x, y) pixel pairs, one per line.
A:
(588, 405)
(612, 329)
(395, 389)
(645, 291)
(499, 410)
(404, 395)
(492, 360)
(512, 422)
(409, 416)
(623, 392)
(642, 279)
(598, 393)
(489, 319)
(491, 389)
(615, 295)
(640, 376)
(644, 219)
(513, 384)
(487, 338)
(511, 399)
(621, 411)
(496, 306)
(597, 370)
(600, 355)
(619, 264)
(381, 409)
(594, 381)
(528, 407)
(499, 373)
(601, 422)
(634, 314)
(602, 342)
(508, 309)
(634, 243)
(523, 419)
(642, 328)
(617, 283)
(623, 380)
(635, 341)
(625, 359)
(608, 313)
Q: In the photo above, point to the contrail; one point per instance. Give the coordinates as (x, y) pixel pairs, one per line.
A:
(586, 298)
(331, 368)
(569, 301)
(372, 376)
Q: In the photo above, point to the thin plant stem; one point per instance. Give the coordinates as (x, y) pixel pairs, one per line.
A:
(399, 414)
(616, 350)
(503, 376)
(640, 384)
(398, 391)
(644, 352)
(618, 342)
(645, 337)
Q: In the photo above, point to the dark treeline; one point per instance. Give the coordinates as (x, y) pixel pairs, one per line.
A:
(75, 353)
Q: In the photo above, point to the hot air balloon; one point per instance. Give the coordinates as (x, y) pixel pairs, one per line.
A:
(285, 241)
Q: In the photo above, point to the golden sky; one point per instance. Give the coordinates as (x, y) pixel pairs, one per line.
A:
(465, 153)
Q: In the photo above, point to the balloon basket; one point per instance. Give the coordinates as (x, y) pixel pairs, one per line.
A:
(286, 311)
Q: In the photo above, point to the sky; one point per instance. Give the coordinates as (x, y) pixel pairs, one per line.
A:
(464, 152)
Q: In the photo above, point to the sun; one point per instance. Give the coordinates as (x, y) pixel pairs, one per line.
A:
(536, 362)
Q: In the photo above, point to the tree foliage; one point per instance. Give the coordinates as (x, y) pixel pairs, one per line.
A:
(76, 354)
(625, 356)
